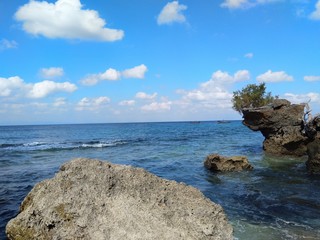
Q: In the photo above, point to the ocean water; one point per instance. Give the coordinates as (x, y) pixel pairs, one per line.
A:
(277, 200)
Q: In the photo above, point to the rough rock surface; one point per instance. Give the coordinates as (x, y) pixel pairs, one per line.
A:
(215, 162)
(281, 123)
(313, 163)
(91, 199)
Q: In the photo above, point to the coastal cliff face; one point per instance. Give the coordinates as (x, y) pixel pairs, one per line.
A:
(281, 123)
(91, 199)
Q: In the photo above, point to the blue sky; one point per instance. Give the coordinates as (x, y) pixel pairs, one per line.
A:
(72, 61)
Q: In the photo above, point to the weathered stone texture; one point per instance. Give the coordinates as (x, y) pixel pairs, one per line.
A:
(281, 123)
(313, 163)
(215, 162)
(91, 199)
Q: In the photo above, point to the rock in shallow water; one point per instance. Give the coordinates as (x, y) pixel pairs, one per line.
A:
(91, 199)
(215, 162)
(281, 123)
(313, 163)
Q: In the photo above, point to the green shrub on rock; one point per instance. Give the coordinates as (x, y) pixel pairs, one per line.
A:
(251, 96)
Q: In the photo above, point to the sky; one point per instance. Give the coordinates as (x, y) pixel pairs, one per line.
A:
(72, 61)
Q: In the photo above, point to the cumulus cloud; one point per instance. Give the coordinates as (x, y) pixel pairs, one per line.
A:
(223, 79)
(157, 106)
(92, 104)
(45, 88)
(109, 75)
(127, 103)
(145, 96)
(9, 85)
(135, 72)
(172, 12)
(65, 19)
(241, 4)
(311, 78)
(303, 98)
(270, 76)
(52, 72)
(15, 86)
(114, 75)
(315, 15)
(7, 44)
(215, 92)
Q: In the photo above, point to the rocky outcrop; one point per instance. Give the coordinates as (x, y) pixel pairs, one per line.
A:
(313, 163)
(288, 130)
(217, 163)
(91, 199)
(282, 125)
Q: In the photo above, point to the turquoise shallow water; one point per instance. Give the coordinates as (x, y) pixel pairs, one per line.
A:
(277, 200)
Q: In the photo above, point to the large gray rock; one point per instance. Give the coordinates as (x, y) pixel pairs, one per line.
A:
(91, 199)
(281, 123)
(217, 163)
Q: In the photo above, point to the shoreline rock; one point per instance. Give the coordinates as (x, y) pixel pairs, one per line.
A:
(91, 199)
(217, 163)
(281, 123)
(313, 162)
(286, 131)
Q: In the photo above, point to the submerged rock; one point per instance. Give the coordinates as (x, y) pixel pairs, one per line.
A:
(215, 162)
(91, 199)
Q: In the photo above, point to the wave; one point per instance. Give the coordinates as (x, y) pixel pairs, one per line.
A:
(99, 144)
(56, 146)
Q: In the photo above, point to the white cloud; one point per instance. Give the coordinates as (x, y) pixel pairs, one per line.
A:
(8, 85)
(311, 78)
(136, 72)
(233, 4)
(248, 55)
(45, 88)
(223, 79)
(65, 19)
(315, 15)
(114, 75)
(109, 75)
(157, 106)
(127, 103)
(270, 76)
(145, 96)
(59, 102)
(7, 44)
(15, 86)
(172, 12)
(52, 72)
(241, 75)
(303, 98)
(92, 104)
(241, 4)
(215, 92)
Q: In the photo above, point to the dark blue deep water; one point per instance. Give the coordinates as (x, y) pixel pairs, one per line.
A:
(277, 200)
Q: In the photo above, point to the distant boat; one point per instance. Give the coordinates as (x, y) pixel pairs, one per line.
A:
(223, 121)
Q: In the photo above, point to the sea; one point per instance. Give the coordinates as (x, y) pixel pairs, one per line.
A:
(278, 199)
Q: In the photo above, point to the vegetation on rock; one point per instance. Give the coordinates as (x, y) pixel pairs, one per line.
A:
(251, 96)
